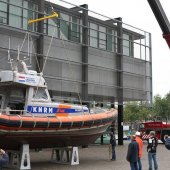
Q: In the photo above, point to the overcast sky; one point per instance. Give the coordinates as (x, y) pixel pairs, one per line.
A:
(138, 13)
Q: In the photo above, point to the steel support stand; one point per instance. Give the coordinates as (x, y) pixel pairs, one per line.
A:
(20, 160)
(66, 155)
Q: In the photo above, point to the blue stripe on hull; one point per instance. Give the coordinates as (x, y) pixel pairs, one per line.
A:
(52, 110)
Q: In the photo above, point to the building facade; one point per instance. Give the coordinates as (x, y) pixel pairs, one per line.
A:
(80, 56)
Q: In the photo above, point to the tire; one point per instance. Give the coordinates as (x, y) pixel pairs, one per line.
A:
(162, 138)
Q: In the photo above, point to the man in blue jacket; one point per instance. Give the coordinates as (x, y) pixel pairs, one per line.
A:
(133, 153)
(4, 159)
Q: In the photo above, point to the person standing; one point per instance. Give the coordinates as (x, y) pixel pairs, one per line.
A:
(133, 153)
(4, 159)
(113, 144)
(140, 143)
(151, 149)
(167, 142)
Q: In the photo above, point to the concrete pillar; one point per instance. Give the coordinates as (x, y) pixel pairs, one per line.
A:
(119, 62)
(85, 54)
(40, 40)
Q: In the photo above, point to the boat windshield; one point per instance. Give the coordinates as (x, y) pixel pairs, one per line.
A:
(97, 110)
(40, 93)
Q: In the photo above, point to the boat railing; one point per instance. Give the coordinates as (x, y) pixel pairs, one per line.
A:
(11, 111)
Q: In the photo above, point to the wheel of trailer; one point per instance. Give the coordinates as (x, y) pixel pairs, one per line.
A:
(163, 138)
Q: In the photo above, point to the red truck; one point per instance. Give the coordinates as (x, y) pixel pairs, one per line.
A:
(161, 129)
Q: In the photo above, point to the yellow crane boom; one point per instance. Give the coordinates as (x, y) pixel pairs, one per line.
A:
(43, 18)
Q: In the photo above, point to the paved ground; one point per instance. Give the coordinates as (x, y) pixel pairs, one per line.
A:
(97, 158)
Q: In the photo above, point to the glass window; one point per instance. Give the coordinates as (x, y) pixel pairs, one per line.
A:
(102, 37)
(64, 26)
(109, 40)
(15, 14)
(93, 35)
(53, 26)
(28, 14)
(75, 36)
(45, 27)
(20, 11)
(93, 42)
(15, 10)
(46, 22)
(126, 45)
(15, 21)
(81, 30)
(40, 93)
(115, 41)
(16, 2)
(3, 7)
(3, 17)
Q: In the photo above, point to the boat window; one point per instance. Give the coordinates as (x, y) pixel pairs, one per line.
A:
(40, 93)
(15, 100)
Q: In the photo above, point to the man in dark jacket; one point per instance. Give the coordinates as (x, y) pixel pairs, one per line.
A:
(151, 149)
(167, 142)
(133, 153)
(113, 144)
(4, 159)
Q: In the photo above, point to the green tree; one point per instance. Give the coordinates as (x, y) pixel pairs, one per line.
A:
(135, 112)
(145, 112)
(160, 105)
(131, 111)
(167, 97)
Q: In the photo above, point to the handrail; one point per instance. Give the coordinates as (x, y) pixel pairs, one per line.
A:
(7, 111)
(20, 120)
(34, 121)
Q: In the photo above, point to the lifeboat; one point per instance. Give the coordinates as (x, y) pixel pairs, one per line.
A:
(28, 115)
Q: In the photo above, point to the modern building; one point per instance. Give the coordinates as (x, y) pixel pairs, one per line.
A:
(81, 56)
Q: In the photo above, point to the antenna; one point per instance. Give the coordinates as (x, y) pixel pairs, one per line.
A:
(18, 53)
(9, 54)
(9, 47)
(28, 44)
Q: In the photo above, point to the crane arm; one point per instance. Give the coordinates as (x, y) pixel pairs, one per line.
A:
(161, 18)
